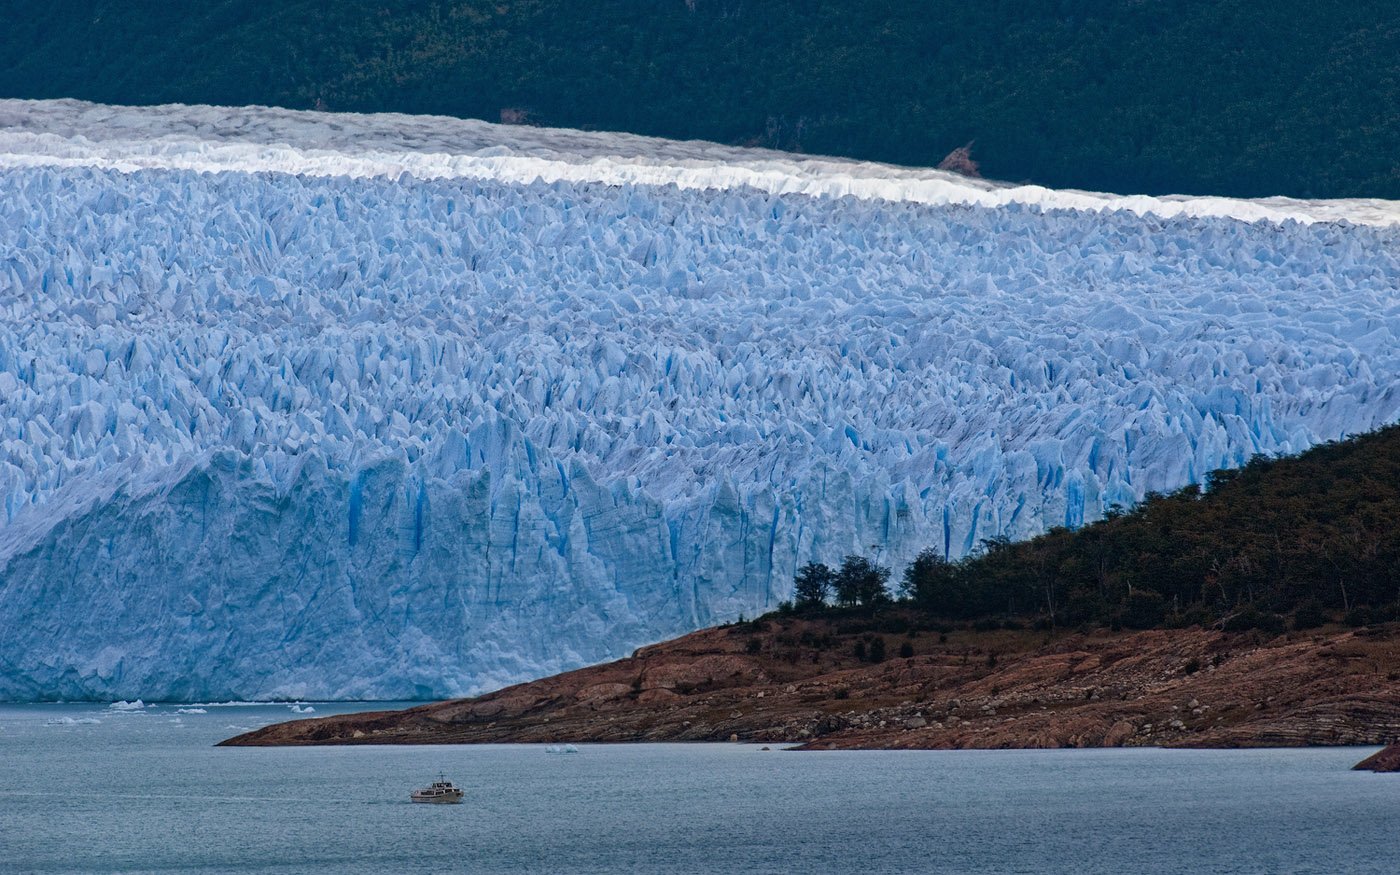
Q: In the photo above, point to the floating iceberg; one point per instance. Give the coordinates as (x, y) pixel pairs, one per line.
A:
(298, 406)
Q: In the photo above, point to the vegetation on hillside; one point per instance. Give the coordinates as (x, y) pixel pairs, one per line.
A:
(1306, 539)
(1196, 96)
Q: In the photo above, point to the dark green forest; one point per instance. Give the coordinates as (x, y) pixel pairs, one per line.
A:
(1235, 97)
(1296, 541)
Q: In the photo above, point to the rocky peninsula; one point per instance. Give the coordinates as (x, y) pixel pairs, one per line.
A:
(843, 683)
(1387, 760)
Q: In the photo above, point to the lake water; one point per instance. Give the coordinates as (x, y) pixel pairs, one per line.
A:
(146, 791)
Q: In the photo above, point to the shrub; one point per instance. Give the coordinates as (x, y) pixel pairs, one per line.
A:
(1359, 616)
(1144, 610)
(906, 650)
(1251, 619)
(1196, 616)
(877, 649)
(1309, 615)
(895, 625)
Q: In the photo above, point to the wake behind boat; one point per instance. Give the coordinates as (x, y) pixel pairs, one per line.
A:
(441, 791)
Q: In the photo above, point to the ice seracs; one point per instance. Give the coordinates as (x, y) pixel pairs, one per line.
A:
(332, 433)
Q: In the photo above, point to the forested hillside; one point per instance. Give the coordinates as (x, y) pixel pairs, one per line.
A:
(1315, 535)
(1194, 96)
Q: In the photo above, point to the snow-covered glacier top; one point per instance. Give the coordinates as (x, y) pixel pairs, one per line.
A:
(311, 405)
(249, 139)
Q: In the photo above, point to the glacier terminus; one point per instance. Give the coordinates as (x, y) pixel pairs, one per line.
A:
(307, 405)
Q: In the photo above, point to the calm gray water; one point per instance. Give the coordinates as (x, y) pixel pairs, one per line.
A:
(146, 792)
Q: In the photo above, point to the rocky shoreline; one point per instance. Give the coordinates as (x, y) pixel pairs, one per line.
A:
(1387, 760)
(815, 682)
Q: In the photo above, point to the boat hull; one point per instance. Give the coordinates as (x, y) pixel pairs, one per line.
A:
(441, 799)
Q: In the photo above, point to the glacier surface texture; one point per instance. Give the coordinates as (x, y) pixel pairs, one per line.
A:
(318, 406)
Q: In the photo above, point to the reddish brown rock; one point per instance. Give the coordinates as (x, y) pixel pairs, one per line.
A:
(1386, 760)
(1120, 733)
(798, 680)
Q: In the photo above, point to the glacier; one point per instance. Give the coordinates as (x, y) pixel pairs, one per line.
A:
(314, 406)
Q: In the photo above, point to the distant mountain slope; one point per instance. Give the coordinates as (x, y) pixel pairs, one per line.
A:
(1196, 96)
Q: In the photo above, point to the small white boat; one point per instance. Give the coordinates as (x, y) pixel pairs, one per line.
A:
(441, 791)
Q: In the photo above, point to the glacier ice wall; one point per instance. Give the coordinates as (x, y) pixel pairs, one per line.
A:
(415, 430)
